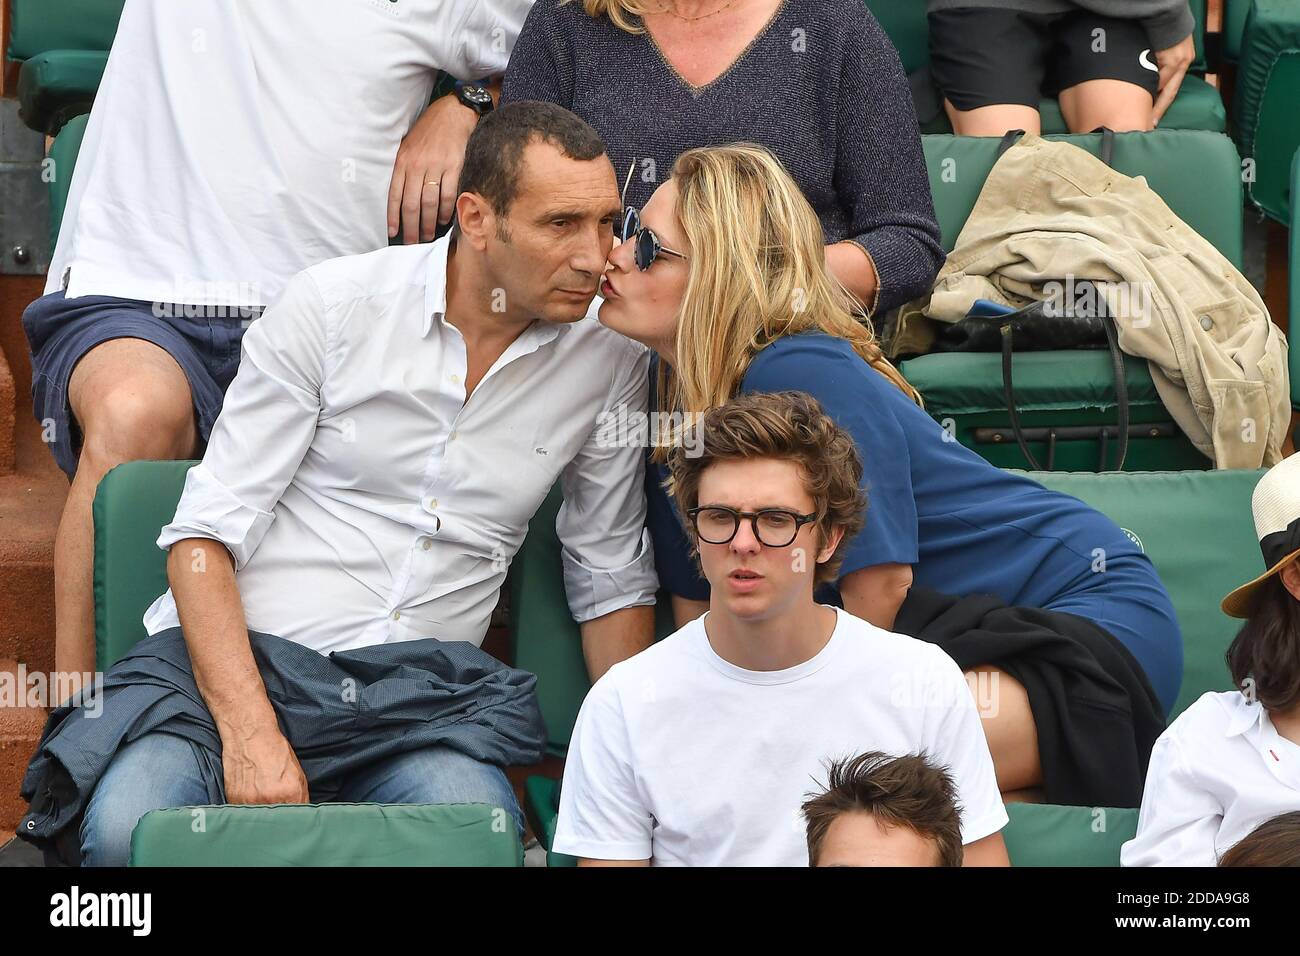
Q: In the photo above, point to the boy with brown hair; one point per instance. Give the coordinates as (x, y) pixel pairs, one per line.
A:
(697, 751)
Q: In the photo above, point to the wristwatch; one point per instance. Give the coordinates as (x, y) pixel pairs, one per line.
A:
(475, 96)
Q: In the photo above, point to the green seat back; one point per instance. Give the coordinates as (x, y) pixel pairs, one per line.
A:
(328, 834)
(1264, 111)
(1197, 529)
(545, 638)
(63, 154)
(132, 504)
(1235, 13)
(37, 26)
(1043, 834)
(1197, 173)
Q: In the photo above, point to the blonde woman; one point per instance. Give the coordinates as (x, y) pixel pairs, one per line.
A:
(816, 81)
(723, 275)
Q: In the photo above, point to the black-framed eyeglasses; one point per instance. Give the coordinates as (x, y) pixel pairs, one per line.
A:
(773, 527)
(647, 247)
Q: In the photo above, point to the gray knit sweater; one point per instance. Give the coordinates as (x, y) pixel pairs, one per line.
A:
(1167, 22)
(821, 86)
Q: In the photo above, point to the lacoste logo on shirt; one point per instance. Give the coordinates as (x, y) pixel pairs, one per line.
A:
(540, 450)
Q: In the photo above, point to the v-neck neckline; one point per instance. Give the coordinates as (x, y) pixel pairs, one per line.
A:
(730, 67)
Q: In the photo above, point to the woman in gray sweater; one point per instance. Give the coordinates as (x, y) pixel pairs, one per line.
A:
(1115, 63)
(816, 81)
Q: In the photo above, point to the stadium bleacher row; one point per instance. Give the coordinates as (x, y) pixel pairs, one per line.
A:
(1195, 162)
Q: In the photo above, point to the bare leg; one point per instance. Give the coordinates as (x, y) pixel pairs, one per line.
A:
(994, 120)
(1003, 705)
(1120, 105)
(132, 402)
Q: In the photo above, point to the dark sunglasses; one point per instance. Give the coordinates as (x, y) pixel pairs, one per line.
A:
(647, 247)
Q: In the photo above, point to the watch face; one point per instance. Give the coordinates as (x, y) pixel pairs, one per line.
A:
(476, 94)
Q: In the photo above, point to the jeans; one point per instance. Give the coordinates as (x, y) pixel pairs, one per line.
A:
(161, 770)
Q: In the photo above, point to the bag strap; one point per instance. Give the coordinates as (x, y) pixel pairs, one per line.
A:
(1107, 152)
(1121, 391)
(1009, 139)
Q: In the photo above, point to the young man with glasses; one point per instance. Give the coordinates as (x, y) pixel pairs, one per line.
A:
(699, 750)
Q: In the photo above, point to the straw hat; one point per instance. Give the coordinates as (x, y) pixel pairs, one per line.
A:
(1276, 507)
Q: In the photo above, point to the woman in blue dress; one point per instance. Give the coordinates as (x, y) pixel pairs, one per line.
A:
(723, 274)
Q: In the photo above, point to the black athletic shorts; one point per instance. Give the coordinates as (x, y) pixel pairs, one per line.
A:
(985, 57)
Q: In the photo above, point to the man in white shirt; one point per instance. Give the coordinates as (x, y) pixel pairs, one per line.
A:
(233, 143)
(397, 420)
(699, 750)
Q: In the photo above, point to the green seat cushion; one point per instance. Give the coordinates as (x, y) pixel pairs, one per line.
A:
(328, 834)
(63, 155)
(57, 85)
(132, 504)
(542, 804)
(1197, 529)
(1264, 110)
(1197, 173)
(36, 26)
(1043, 834)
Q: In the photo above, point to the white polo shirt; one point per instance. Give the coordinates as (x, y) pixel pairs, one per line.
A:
(681, 757)
(1217, 772)
(365, 500)
(234, 143)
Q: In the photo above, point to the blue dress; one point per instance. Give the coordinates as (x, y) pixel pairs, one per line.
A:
(965, 526)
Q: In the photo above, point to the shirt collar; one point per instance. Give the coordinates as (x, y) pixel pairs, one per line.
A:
(435, 300)
(1245, 716)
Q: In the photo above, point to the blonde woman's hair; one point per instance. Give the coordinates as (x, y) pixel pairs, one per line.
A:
(624, 14)
(757, 273)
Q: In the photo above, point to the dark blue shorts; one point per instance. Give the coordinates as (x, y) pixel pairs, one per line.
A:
(61, 331)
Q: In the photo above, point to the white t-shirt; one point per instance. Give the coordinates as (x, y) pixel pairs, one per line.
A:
(1217, 772)
(234, 143)
(680, 757)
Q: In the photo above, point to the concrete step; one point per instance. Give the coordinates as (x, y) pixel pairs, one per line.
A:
(20, 730)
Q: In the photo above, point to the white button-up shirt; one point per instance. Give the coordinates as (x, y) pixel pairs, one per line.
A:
(364, 500)
(1217, 772)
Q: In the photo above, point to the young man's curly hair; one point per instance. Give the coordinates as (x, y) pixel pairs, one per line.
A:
(787, 426)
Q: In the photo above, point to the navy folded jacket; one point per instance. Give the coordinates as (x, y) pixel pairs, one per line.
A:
(339, 713)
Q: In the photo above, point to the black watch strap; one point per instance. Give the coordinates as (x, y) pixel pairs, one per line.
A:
(475, 96)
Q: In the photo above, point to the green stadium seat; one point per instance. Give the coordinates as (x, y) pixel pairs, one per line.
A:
(1041, 834)
(63, 46)
(1265, 124)
(1198, 174)
(63, 153)
(132, 504)
(1196, 527)
(1198, 105)
(327, 834)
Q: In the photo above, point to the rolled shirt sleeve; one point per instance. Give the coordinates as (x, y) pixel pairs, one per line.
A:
(265, 428)
(607, 558)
